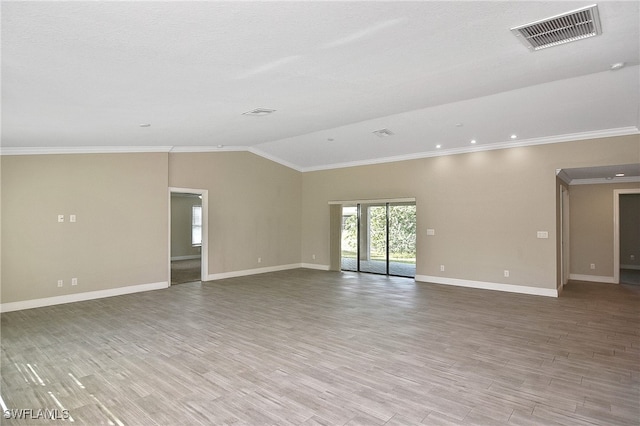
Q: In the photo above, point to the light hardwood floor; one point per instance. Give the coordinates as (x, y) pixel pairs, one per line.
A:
(305, 347)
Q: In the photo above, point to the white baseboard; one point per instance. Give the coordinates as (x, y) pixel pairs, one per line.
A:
(193, 256)
(244, 273)
(511, 288)
(315, 266)
(591, 278)
(80, 297)
(634, 267)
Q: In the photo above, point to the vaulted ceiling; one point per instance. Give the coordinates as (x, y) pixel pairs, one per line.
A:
(145, 76)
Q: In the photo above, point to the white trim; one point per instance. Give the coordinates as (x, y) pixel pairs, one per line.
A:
(315, 266)
(255, 271)
(81, 150)
(633, 267)
(592, 278)
(80, 297)
(204, 247)
(190, 257)
(180, 149)
(598, 181)
(376, 201)
(621, 131)
(616, 229)
(511, 288)
(275, 159)
(572, 137)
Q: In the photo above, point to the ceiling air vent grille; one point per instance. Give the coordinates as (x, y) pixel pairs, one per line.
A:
(383, 133)
(571, 26)
(258, 112)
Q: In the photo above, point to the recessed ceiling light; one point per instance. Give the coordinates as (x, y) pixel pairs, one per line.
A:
(473, 141)
(438, 146)
(617, 66)
(259, 112)
(514, 136)
(145, 125)
(383, 133)
(619, 174)
(459, 124)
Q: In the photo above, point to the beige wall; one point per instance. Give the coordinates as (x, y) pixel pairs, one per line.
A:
(119, 239)
(591, 225)
(254, 207)
(485, 207)
(630, 230)
(181, 212)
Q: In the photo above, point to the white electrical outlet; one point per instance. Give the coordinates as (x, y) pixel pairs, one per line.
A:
(632, 256)
(259, 260)
(506, 273)
(313, 256)
(60, 283)
(72, 218)
(431, 231)
(60, 218)
(74, 281)
(441, 268)
(592, 266)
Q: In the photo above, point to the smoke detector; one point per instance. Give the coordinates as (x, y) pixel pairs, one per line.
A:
(570, 26)
(258, 112)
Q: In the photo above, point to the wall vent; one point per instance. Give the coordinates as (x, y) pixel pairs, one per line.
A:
(571, 26)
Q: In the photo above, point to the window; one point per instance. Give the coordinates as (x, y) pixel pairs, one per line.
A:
(196, 226)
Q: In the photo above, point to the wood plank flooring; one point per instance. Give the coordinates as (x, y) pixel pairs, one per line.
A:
(306, 347)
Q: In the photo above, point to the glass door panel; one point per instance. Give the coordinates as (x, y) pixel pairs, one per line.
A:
(373, 238)
(349, 239)
(402, 240)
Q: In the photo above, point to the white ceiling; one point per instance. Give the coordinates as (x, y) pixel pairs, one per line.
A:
(83, 76)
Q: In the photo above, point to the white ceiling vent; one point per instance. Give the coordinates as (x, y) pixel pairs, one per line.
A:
(571, 26)
(383, 133)
(259, 112)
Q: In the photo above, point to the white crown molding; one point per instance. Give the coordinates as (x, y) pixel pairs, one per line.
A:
(510, 288)
(563, 176)
(80, 297)
(82, 150)
(598, 181)
(622, 131)
(573, 137)
(180, 149)
(275, 159)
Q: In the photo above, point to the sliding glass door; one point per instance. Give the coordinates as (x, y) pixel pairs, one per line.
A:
(379, 238)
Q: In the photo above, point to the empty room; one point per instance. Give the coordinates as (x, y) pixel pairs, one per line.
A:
(320, 213)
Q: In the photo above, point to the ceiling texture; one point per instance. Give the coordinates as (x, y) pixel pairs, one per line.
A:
(178, 76)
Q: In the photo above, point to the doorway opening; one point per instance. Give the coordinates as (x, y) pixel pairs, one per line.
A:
(188, 238)
(626, 257)
(379, 238)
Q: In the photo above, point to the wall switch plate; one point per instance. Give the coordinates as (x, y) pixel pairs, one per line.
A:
(74, 281)
(60, 218)
(592, 266)
(259, 260)
(431, 231)
(506, 273)
(543, 234)
(72, 218)
(441, 268)
(60, 283)
(313, 256)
